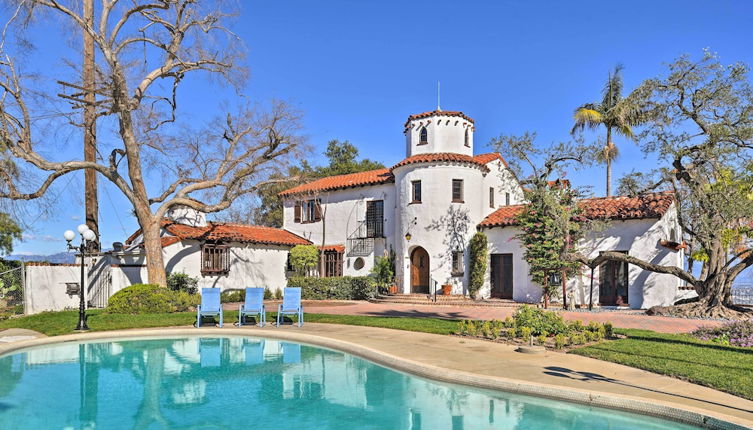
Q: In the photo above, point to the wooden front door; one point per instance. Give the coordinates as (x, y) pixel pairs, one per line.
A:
(613, 283)
(501, 274)
(419, 271)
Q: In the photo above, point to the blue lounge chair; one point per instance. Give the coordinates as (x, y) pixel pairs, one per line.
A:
(291, 305)
(210, 305)
(254, 305)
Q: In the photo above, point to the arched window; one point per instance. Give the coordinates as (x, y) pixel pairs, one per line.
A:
(423, 137)
(467, 139)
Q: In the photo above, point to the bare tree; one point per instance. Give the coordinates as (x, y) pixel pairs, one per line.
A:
(145, 49)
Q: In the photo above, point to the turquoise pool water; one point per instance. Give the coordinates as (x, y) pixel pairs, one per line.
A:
(237, 382)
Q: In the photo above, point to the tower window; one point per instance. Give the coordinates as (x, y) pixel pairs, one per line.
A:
(467, 139)
(423, 137)
(416, 198)
(491, 197)
(457, 191)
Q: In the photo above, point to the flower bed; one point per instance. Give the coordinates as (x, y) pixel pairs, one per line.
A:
(531, 325)
(735, 333)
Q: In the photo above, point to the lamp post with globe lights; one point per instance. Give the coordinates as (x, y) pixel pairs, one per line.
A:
(87, 237)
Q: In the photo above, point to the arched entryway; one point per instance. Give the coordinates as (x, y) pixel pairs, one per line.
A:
(419, 271)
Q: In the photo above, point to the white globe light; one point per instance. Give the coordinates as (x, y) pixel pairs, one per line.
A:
(82, 228)
(89, 235)
(69, 235)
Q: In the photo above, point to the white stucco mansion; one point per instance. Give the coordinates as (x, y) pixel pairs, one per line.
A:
(426, 208)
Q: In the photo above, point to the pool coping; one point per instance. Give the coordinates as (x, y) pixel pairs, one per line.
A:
(656, 408)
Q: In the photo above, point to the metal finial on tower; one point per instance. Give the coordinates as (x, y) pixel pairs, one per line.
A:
(438, 93)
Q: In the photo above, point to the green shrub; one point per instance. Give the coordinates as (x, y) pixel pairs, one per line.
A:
(477, 260)
(590, 335)
(472, 328)
(180, 281)
(525, 333)
(151, 299)
(486, 329)
(337, 288)
(268, 294)
(541, 339)
(384, 270)
(559, 341)
(540, 321)
(576, 326)
(608, 330)
(278, 294)
(577, 339)
(304, 258)
(233, 296)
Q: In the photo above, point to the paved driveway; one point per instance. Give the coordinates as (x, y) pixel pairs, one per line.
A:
(623, 319)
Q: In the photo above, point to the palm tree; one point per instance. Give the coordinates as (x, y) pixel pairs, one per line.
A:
(617, 114)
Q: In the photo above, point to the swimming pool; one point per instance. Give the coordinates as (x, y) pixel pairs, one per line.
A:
(239, 382)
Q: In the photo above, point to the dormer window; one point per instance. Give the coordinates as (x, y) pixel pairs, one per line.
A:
(423, 136)
(467, 139)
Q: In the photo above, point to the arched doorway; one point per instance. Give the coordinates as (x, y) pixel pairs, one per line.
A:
(419, 271)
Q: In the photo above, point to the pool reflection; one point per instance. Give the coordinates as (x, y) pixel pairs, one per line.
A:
(229, 382)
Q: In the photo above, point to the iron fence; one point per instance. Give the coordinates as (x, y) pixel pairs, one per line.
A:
(742, 295)
(11, 288)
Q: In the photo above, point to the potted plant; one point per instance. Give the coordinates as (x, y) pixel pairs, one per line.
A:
(393, 289)
(446, 289)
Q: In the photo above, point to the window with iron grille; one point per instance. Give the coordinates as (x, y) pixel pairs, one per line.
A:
(375, 218)
(457, 191)
(215, 259)
(333, 263)
(457, 263)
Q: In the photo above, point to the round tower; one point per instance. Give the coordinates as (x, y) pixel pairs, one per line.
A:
(439, 131)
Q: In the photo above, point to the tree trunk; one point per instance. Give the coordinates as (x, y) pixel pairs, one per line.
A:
(155, 265)
(608, 156)
(716, 302)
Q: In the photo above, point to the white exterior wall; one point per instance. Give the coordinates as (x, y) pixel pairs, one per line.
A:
(639, 237)
(251, 265)
(44, 288)
(501, 179)
(444, 133)
(343, 211)
(437, 224)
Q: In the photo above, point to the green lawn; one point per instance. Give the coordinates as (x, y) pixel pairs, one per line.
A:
(724, 368)
(57, 323)
(721, 367)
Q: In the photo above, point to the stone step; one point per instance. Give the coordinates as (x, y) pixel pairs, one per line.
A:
(423, 299)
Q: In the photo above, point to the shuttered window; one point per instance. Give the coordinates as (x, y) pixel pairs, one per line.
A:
(215, 259)
(306, 211)
(375, 218)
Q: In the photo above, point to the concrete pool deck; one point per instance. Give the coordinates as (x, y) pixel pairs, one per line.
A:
(488, 365)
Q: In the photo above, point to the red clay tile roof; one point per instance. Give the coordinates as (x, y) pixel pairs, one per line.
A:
(437, 113)
(229, 233)
(165, 241)
(383, 176)
(330, 183)
(489, 157)
(336, 248)
(650, 205)
(435, 157)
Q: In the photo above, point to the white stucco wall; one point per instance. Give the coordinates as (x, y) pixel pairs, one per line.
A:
(343, 212)
(640, 238)
(445, 134)
(437, 224)
(44, 288)
(251, 265)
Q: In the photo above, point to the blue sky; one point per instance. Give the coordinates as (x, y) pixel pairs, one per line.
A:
(357, 69)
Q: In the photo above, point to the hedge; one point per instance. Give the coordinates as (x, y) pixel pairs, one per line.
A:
(151, 299)
(338, 288)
